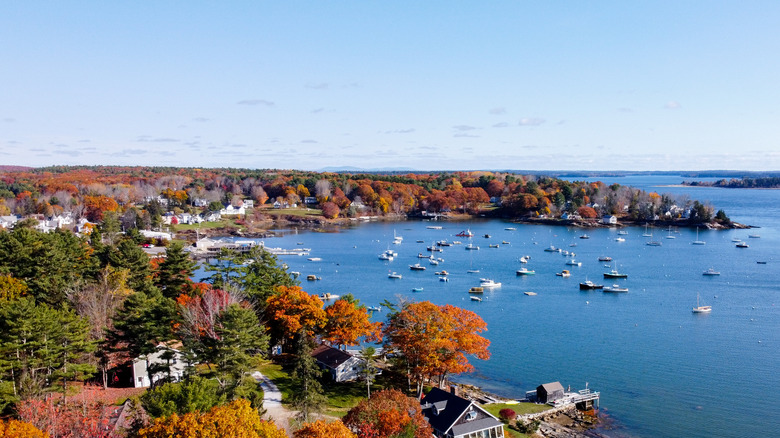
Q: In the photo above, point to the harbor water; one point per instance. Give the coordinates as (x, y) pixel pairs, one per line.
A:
(662, 370)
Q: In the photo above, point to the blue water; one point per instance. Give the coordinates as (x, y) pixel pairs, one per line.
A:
(662, 370)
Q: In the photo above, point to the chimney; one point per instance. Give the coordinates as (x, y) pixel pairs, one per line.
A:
(454, 390)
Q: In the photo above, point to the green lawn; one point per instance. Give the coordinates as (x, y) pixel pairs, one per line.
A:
(301, 212)
(520, 409)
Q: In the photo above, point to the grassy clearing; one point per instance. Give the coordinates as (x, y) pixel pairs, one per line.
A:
(520, 409)
(300, 212)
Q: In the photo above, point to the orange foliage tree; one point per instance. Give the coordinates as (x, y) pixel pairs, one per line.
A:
(97, 205)
(388, 413)
(11, 288)
(19, 429)
(323, 429)
(235, 420)
(434, 340)
(291, 310)
(587, 212)
(85, 416)
(347, 322)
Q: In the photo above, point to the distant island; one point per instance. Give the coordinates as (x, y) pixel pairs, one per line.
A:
(740, 183)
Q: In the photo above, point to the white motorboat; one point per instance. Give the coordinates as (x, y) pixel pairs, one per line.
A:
(486, 282)
(615, 288)
(711, 271)
(394, 275)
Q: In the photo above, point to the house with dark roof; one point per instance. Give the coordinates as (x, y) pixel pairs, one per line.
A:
(342, 366)
(452, 416)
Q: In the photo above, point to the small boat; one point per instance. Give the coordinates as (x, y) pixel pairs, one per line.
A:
(493, 245)
(701, 309)
(605, 259)
(584, 236)
(314, 259)
(422, 256)
(504, 242)
(420, 241)
(755, 236)
(530, 294)
(295, 274)
(615, 288)
(443, 243)
(646, 234)
(328, 296)
(620, 239)
(476, 290)
(471, 246)
(433, 262)
(653, 243)
(385, 256)
(434, 227)
(615, 274)
(760, 262)
(589, 285)
(416, 267)
(486, 282)
(697, 241)
(473, 271)
(434, 248)
(669, 236)
(466, 233)
(456, 242)
(563, 273)
(486, 236)
(473, 298)
(445, 273)
(572, 262)
(524, 271)
(417, 289)
(623, 233)
(313, 278)
(573, 244)
(394, 275)
(551, 248)
(711, 271)
(444, 279)
(510, 228)
(524, 259)
(743, 245)
(374, 309)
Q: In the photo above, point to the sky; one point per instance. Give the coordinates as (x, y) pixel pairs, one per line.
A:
(432, 85)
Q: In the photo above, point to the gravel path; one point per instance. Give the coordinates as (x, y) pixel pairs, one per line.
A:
(272, 403)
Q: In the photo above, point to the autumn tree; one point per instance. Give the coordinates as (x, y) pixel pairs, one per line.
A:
(587, 213)
(236, 420)
(347, 322)
(434, 340)
(20, 429)
(11, 288)
(330, 210)
(80, 416)
(389, 413)
(324, 429)
(291, 311)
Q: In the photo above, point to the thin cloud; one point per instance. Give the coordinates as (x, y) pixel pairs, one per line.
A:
(253, 102)
(498, 111)
(672, 104)
(501, 125)
(309, 141)
(625, 110)
(464, 128)
(317, 110)
(320, 86)
(130, 152)
(9, 120)
(201, 119)
(401, 131)
(530, 121)
(68, 152)
(465, 135)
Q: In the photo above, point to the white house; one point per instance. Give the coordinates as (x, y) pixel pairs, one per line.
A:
(249, 203)
(609, 220)
(212, 217)
(230, 210)
(453, 416)
(167, 357)
(155, 234)
(342, 366)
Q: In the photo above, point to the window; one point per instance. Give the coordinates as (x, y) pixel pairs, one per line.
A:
(470, 415)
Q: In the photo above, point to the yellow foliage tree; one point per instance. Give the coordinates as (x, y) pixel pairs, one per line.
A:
(235, 420)
(11, 288)
(19, 429)
(323, 429)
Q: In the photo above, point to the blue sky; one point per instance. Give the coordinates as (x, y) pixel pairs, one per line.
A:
(434, 85)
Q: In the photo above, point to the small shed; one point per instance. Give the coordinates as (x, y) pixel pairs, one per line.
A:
(549, 392)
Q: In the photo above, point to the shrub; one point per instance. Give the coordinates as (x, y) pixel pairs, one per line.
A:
(507, 414)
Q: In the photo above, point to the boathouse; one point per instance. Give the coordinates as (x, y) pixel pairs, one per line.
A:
(453, 416)
(549, 392)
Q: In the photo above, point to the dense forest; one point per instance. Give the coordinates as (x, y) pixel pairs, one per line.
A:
(742, 183)
(135, 194)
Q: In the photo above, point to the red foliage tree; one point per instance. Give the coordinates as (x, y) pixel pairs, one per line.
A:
(587, 212)
(330, 210)
(388, 413)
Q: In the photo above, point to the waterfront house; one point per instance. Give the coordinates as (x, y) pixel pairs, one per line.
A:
(453, 416)
(549, 392)
(167, 359)
(8, 221)
(230, 210)
(342, 366)
(609, 220)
